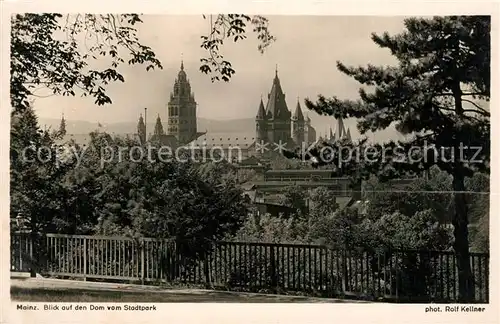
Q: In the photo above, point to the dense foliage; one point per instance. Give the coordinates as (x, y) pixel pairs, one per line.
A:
(55, 52)
(438, 96)
(65, 189)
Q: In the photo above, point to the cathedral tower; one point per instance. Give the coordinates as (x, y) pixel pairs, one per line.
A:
(341, 133)
(141, 130)
(62, 126)
(182, 110)
(278, 115)
(309, 131)
(158, 132)
(261, 123)
(298, 124)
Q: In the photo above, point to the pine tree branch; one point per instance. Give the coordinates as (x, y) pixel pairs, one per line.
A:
(446, 94)
(481, 110)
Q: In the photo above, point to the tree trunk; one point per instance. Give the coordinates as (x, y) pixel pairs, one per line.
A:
(461, 244)
(460, 221)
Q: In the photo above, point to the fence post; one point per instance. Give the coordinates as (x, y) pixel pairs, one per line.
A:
(84, 259)
(206, 268)
(345, 272)
(274, 281)
(141, 246)
(19, 247)
(32, 260)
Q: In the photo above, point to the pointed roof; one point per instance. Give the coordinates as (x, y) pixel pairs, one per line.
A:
(341, 133)
(276, 105)
(182, 74)
(348, 135)
(62, 126)
(261, 112)
(298, 112)
(141, 120)
(340, 128)
(141, 127)
(332, 135)
(158, 126)
(63, 121)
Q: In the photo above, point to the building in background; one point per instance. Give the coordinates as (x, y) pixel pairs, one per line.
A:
(274, 125)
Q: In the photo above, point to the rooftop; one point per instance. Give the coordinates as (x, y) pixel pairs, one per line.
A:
(225, 140)
(298, 183)
(302, 171)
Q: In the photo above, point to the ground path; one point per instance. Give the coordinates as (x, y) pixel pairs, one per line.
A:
(43, 289)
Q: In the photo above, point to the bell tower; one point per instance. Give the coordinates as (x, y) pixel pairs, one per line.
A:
(298, 125)
(261, 123)
(277, 113)
(181, 110)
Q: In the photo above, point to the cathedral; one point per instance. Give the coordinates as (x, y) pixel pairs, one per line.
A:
(274, 125)
(181, 117)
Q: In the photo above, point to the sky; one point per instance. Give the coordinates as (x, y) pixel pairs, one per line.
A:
(306, 51)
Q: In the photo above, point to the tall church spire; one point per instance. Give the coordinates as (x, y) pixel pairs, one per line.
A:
(261, 122)
(341, 128)
(298, 115)
(261, 113)
(298, 125)
(141, 129)
(62, 126)
(158, 127)
(348, 135)
(276, 104)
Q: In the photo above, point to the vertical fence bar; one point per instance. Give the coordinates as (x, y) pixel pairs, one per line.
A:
(397, 274)
(487, 278)
(85, 259)
(474, 277)
(479, 281)
(142, 243)
(19, 245)
(455, 284)
(293, 267)
(299, 268)
(361, 259)
(272, 268)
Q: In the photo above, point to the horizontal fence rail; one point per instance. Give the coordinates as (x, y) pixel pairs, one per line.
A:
(398, 275)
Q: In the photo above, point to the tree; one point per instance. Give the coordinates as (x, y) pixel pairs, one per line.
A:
(479, 216)
(322, 202)
(339, 230)
(36, 174)
(420, 194)
(231, 26)
(296, 197)
(52, 51)
(62, 128)
(437, 95)
(191, 204)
